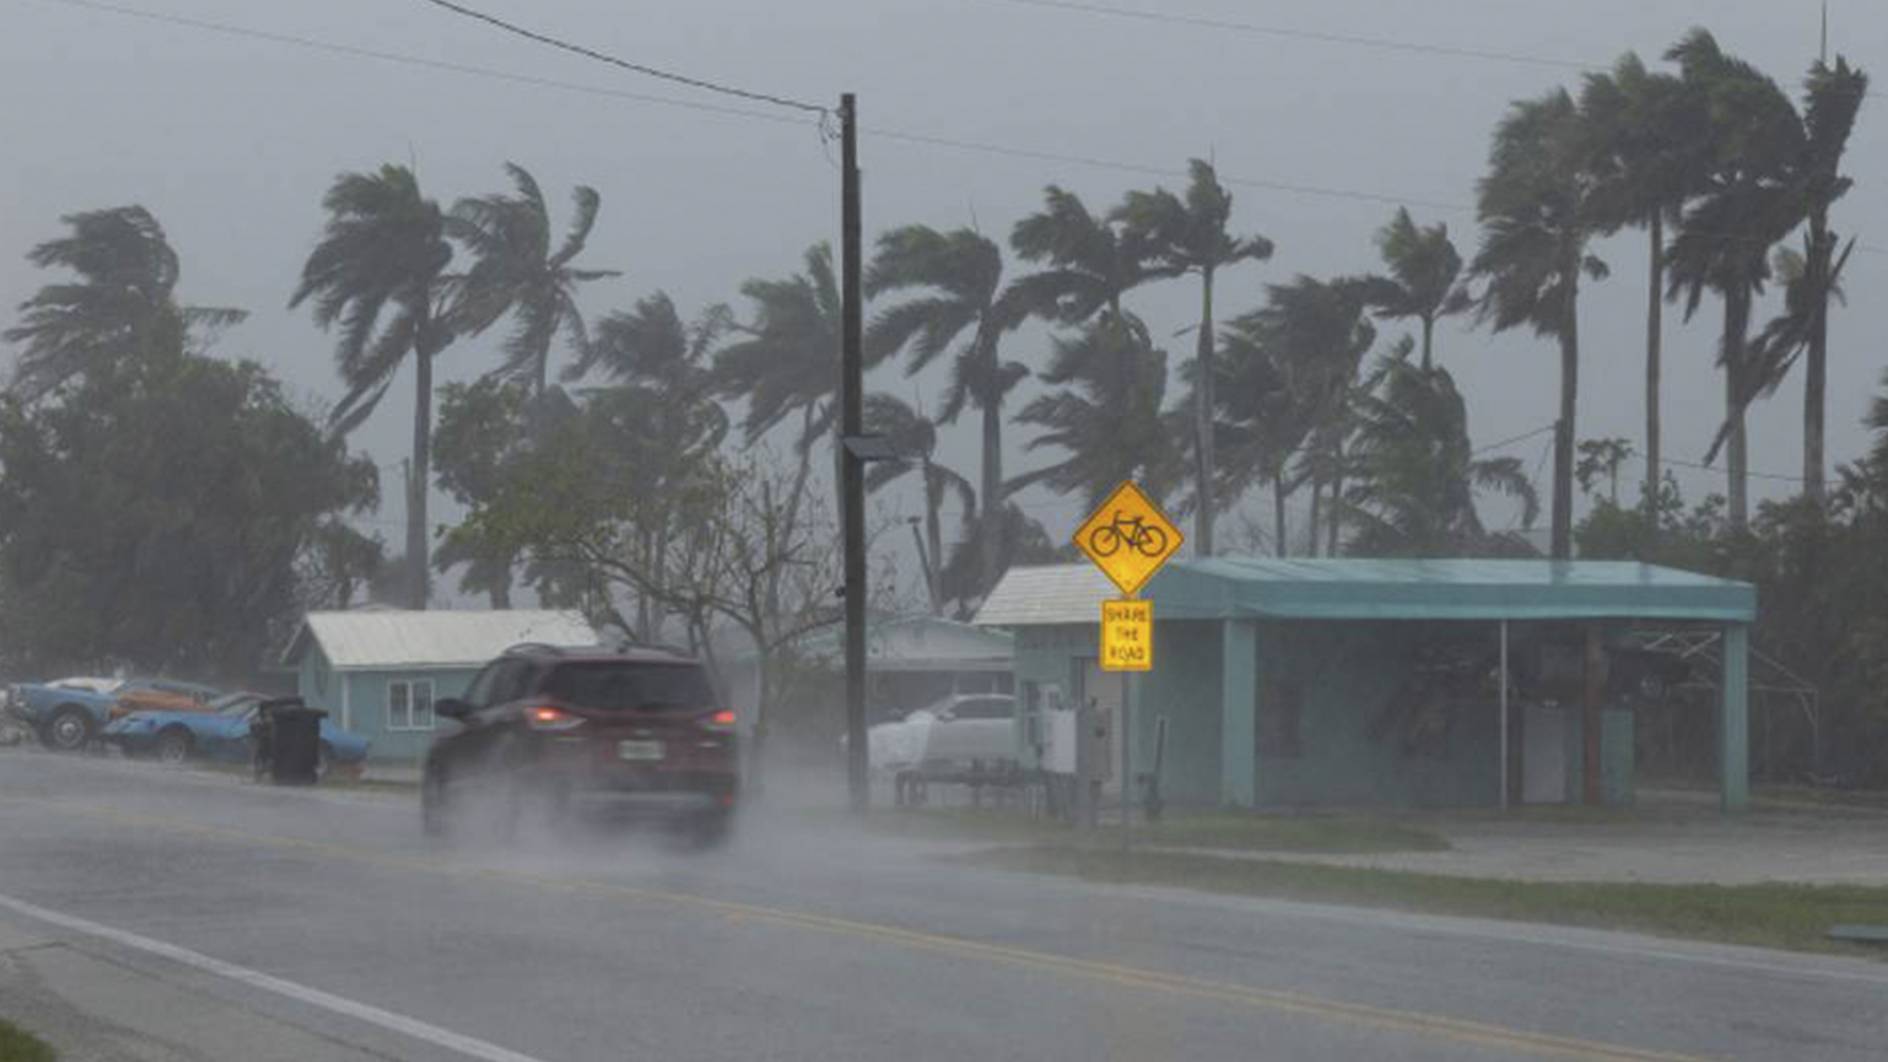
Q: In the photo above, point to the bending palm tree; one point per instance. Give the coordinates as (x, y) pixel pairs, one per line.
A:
(1417, 476)
(380, 272)
(1108, 418)
(964, 270)
(1536, 213)
(516, 271)
(911, 434)
(1424, 265)
(1652, 152)
(1744, 208)
(1190, 237)
(1089, 262)
(122, 313)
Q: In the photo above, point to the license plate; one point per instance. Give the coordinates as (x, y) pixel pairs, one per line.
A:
(639, 751)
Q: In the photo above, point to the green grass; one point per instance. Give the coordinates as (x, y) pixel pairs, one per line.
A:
(1797, 917)
(18, 1045)
(1232, 830)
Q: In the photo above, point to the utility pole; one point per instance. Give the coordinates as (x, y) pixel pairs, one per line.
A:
(852, 465)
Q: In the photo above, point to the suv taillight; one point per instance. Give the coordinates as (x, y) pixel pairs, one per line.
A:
(721, 719)
(548, 718)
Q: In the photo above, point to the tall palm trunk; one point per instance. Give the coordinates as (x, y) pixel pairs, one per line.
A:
(1815, 359)
(933, 538)
(1203, 424)
(1429, 335)
(1737, 457)
(419, 565)
(1654, 337)
(1311, 532)
(1562, 535)
(1279, 547)
(989, 527)
(1333, 523)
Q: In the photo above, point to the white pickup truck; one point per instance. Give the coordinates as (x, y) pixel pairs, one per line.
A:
(947, 737)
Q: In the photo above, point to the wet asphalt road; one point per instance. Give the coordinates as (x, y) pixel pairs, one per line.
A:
(325, 915)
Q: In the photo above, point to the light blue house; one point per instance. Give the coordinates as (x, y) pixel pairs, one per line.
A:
(378, 672)
(1289, 682)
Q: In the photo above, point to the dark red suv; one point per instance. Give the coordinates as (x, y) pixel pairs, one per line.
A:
(544, 731)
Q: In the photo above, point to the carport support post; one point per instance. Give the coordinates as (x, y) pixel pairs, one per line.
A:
(1238, 712)
(1506, 750)
(1734, 721)
(1590, 717)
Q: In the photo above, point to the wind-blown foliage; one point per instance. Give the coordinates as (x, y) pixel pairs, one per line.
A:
(121, 314)
(378, 274)
(1424, 269)
(787, 359)
(517, 272)
(915, 437)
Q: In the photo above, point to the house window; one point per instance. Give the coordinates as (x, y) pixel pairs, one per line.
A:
(410, 704)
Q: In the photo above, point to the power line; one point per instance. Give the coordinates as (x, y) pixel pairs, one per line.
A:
(1255, 29)
(1322, 37)
(1543, 429)
(1779, 476)
(604, 57)
(403, 59)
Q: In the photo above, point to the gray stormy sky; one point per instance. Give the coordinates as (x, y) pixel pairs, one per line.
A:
(231, 142)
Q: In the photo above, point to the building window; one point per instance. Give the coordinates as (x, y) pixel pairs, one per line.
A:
(1280, 707)
(410, 704)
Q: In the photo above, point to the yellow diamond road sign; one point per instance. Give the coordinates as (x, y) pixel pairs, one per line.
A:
(1127, 635)
(1128, 538)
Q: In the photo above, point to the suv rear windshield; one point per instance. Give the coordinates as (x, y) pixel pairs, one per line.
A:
(622, 686)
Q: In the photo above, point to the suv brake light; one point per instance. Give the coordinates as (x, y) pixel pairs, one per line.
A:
(722, 719)
(547, 718)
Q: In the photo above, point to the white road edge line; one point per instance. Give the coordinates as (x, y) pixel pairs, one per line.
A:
(412, 1027)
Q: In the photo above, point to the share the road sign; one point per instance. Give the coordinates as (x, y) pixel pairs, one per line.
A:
(1127, 635)
(1128, 538)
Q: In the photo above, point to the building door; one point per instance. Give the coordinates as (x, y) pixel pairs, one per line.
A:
(1544, 756)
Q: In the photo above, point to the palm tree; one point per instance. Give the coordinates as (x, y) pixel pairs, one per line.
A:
(1651, 149)
(1536, 214)
(1264, 417)
(788, 359)
(1417, 475)
(650, 347)
(1089, 262)
(962, 273)
(379, 271)
(516, 271)
(915, 438)
(1424, 265)
(1319, 333)
(1833, 95)
(1743, 208)
(122, 312)
(1189, 236)
(1107, 417)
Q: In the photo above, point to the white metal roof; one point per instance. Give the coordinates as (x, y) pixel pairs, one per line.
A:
(1048, 595)
(394, 638)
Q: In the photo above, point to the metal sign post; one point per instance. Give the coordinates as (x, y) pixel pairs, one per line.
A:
(1129, 539)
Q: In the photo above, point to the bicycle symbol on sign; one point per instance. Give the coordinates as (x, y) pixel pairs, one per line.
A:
(1133, 532)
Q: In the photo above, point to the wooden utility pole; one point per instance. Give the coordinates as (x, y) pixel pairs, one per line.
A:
(851, 465)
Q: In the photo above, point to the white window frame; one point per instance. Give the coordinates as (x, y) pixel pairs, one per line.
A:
(408, 725)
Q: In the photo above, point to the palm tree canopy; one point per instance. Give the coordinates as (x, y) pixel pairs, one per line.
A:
(516, 271)
(1534, 210)
(377, 272)
(123, 307)
(1189, 236)
(788, 361)
(1745, 204)
(1424, 266)
(1108, 419)
(1089, 261)
(1651, 143)
(914, 438)
(962, 274)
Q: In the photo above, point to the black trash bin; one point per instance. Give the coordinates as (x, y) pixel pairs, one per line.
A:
(288, 741)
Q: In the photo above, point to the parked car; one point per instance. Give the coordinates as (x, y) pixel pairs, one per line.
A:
(948, 736)
(559, 731)
(68, 714)
(222, 734)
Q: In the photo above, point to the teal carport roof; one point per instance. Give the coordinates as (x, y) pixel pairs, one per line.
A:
(1448, 589)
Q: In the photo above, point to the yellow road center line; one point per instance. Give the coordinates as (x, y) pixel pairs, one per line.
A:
(1455, 1029)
